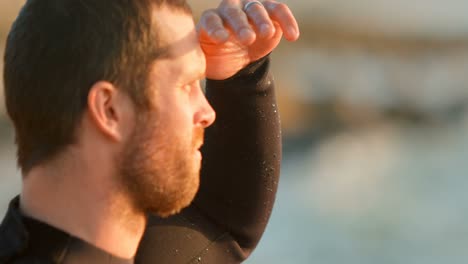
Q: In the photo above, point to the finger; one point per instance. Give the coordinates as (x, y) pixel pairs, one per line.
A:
(281, 13)
(212, 26)
(259, 17)
(236, 19)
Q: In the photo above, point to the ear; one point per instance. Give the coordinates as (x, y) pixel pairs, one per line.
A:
(106, 109)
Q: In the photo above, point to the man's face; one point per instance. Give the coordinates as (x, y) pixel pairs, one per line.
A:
(160, 164)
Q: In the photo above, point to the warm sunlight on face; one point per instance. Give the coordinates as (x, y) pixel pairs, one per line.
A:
(162, 160)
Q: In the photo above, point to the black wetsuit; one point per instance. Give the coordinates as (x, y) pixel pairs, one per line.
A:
(241, 159)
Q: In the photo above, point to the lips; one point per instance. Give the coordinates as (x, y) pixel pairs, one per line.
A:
(198, 134)
(200, 145)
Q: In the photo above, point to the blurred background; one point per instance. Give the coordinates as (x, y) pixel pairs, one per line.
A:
(374, 110)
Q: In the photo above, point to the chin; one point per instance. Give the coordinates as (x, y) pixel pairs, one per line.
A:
(181, 197)
(181, 204)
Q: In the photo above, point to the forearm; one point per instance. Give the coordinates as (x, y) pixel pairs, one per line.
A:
(241, 155)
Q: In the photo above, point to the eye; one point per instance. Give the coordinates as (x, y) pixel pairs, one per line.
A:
(194, 85)
(188, 87)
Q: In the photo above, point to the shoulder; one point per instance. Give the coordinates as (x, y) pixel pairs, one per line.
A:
(24, 240)
(188, 237)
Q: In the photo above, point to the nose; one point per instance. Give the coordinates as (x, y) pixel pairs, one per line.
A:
(206, 115)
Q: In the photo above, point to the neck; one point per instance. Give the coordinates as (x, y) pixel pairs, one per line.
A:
(84, 201)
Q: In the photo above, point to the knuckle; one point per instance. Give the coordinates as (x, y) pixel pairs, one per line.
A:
(281, 8)
(259, 18)
(209, 13)
(231, 11)
(257, 13)
(207, 16)
(255, 8)
(268, 3)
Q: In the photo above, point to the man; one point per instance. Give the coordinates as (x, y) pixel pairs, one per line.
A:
(109, 119)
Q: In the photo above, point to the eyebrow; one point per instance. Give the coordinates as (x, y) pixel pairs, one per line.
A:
(201, 75)
(165, 52)
(192, 76)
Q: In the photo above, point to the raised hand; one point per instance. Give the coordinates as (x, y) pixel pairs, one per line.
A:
(240, 32)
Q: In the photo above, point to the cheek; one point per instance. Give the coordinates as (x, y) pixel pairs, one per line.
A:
(176, 115)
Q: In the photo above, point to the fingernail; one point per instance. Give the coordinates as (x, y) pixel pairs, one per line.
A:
(265, 29)
(221, 34)
(292, 31)
(245, 33)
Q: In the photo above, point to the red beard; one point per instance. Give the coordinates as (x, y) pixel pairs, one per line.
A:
(159, 169)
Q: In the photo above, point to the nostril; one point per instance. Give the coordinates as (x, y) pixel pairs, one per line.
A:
(210, 118)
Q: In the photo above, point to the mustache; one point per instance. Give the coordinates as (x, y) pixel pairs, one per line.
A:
(198, 137)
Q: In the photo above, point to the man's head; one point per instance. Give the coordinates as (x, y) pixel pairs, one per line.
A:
(161, 162)
(120, 72)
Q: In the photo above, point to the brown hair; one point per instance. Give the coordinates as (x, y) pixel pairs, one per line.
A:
(57, 49)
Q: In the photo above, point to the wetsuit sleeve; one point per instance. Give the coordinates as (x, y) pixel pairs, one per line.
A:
(239, 178)
(242, 149)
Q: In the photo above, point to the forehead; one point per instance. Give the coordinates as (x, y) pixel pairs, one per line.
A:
(178, 37)
(176, 31)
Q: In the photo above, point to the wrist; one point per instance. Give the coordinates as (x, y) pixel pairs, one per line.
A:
(248, 72)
